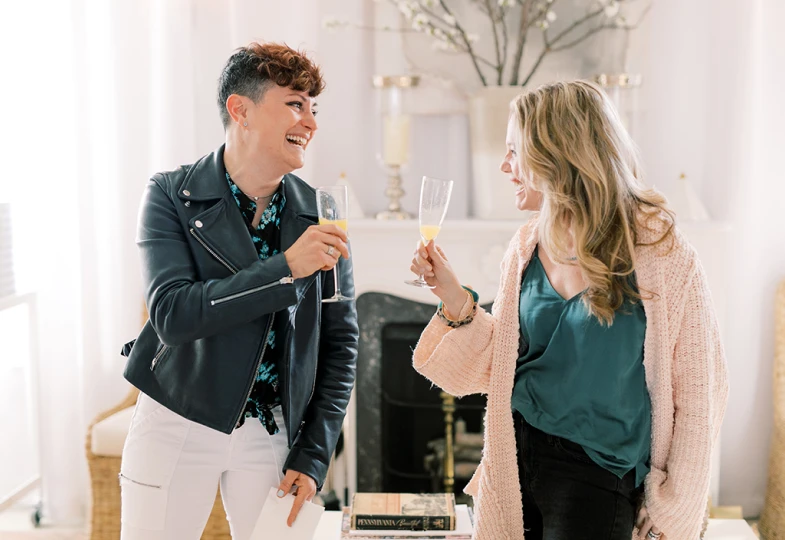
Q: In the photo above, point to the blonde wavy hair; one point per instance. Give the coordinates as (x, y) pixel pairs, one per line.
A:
(579, 155)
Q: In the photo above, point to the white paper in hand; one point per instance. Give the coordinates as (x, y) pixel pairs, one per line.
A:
(271, 524)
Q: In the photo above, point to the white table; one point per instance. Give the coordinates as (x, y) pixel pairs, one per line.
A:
(329, 526)
(729, 529)
(719, 529)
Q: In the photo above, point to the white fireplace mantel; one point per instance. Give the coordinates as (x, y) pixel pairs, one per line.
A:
(382, 253)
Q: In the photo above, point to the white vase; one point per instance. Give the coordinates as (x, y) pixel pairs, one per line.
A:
(493, 194)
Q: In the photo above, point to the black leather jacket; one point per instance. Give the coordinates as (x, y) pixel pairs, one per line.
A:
(212, 302)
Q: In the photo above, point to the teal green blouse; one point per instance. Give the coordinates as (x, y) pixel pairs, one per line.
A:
(583, 381)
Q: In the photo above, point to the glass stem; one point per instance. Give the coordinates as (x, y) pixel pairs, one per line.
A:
(337, 286)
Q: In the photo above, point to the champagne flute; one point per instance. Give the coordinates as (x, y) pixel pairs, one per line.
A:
(434, 199)
(333, 206)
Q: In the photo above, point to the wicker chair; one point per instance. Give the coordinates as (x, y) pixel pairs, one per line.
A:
(772, 520)
(104, 470)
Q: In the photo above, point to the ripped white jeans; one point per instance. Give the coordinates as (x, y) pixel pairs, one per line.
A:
(172, 467)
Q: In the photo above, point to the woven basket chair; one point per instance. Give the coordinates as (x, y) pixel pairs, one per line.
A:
(772, 520)
(105, 489)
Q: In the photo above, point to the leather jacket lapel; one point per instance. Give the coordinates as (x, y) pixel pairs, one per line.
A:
(222, 228)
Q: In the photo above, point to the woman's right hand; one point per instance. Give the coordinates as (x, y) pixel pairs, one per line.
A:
(319, 248)
(430, 262)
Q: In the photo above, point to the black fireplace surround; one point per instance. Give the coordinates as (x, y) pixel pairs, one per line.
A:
(398, 410)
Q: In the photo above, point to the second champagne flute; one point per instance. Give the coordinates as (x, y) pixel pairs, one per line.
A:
(434, 200)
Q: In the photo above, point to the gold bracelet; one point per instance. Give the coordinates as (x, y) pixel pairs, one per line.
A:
(469, 318)
(471, 299)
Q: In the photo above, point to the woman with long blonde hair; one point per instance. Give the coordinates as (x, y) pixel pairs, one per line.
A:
(601, 360)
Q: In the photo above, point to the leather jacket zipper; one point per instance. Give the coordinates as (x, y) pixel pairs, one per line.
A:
(315, 369)
(212, 252)
(256, 370)
(313, 387)
(283, 281)
(157, 357)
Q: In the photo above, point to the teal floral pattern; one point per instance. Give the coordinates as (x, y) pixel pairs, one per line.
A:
(266, 237)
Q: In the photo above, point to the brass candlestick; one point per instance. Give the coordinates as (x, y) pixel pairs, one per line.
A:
(394, 192)
(394, 144)
(448, 407)
(623, 91)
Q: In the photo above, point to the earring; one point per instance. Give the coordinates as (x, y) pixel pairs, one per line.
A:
(245, 124)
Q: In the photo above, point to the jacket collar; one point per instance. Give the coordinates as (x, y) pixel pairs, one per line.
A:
(206, 180)
(220, 224)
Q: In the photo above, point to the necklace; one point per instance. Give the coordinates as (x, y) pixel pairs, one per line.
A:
(257, 199)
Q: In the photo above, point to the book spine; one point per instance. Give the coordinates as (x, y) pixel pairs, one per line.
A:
(365, 522)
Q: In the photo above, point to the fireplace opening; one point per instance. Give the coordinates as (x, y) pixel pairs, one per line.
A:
(402, 419)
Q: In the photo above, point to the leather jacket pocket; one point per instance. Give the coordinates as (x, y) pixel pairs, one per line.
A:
(162, 352)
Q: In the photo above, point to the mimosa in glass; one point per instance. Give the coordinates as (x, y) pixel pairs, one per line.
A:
(434, 200)
(332, 204)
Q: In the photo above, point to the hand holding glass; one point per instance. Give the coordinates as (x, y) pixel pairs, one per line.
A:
(332, 204)
(434, 200)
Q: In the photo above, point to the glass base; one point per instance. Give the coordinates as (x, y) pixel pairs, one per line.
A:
(419, 283)
(337, 298)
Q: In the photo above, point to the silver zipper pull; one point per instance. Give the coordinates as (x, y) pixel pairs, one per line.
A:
(288, 280)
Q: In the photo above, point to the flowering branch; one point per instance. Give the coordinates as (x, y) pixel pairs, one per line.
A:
(505, 43)
(466, 41)
(436, 19)
(500, 55)
(528, 19)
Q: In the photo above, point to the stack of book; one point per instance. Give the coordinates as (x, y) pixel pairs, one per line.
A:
(391, 516)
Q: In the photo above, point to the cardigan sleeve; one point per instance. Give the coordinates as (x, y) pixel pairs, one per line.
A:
(676, 498)
(459, 359)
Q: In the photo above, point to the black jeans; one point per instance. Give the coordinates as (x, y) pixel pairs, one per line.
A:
(566, 496)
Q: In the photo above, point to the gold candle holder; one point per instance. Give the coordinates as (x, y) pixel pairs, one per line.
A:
(448, 407)
(623, 91)
(395, 138)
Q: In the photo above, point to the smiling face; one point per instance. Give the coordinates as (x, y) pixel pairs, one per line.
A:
(526, 196)
(283, 124)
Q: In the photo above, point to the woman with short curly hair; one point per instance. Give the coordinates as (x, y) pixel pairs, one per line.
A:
(244, 374)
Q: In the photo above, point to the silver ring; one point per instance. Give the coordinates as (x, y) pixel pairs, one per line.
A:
(653, 535)
(330, 251)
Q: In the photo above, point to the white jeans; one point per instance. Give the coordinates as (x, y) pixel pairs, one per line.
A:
(172, 467)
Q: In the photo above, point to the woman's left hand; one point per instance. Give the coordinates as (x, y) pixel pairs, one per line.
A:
(646, 528)
(306, 489)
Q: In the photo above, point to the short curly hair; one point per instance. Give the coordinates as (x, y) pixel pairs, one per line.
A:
(253, 69)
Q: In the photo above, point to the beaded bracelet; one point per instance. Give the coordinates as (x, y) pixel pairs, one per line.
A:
(466, 320)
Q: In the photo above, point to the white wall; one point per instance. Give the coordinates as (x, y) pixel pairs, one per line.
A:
(713, 111)
(755, 195)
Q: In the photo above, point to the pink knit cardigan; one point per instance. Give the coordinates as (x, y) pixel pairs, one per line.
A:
(685, 375)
